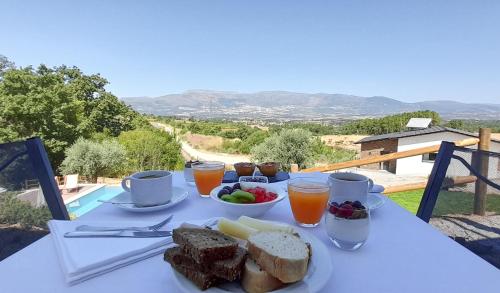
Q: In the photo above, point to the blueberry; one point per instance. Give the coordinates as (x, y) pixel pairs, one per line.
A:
(228, 188)
(236, 186)
(222, 192)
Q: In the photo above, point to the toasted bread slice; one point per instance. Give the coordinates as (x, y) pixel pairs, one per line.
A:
(228, 269)
(283, 255)
(205, 245)
(256, 280)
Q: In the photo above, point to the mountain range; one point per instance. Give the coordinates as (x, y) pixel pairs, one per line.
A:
(283, 105)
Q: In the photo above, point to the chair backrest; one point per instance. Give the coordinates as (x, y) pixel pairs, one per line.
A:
(469, 171)
(462, 199)
(23, 161)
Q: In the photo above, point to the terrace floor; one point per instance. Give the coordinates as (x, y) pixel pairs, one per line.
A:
(480, 234)
(386, 178)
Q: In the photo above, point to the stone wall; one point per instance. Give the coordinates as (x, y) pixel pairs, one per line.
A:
(380, 147)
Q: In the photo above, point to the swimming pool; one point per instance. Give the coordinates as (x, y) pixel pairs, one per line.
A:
(89, 201)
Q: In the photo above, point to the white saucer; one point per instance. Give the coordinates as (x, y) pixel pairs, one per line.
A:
(377, 188)
(179, 195)
(375, 200)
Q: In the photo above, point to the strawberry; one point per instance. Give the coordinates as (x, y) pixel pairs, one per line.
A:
(259, 190)
(259, 198)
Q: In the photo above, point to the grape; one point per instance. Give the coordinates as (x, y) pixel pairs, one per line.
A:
(222, 192)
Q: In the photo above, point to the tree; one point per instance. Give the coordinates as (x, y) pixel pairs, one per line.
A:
(290, 146)
(60, 105)
(94, 159)
(455, 123)
(150, 150)
(5, 64)
(387, 124)
(36, 104)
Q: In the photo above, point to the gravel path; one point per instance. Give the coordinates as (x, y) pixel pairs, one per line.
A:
(204, 155)
(479, 234)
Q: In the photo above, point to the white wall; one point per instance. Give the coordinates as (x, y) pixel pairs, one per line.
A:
(414, 165)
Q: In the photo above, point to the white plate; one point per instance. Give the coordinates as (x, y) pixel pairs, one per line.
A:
(318, 273)
(375, 200)
(179, 195)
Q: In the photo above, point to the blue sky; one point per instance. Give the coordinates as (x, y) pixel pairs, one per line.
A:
(408, 50)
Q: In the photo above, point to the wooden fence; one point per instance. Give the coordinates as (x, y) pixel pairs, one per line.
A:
(387, 157)
(483, 139)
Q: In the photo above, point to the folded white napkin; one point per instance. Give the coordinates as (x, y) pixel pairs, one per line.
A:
(85, 258)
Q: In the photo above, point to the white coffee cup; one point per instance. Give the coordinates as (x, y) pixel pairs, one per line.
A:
(149, 188)
(349, 187)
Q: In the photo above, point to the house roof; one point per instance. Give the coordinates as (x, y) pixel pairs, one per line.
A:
(434, 129)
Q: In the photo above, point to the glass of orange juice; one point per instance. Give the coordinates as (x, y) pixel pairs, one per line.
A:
(207, 176)
(308, 199)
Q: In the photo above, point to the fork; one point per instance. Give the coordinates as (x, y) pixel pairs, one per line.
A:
(209, 224)
(154, 227)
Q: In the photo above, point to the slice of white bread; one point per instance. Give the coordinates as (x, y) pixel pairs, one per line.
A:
(283, 255)
(256, 280)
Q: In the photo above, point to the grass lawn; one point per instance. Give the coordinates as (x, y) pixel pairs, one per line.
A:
(448, 202)
(408, 199)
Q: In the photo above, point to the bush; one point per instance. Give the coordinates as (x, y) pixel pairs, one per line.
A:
(15, 211)
(93, 159)
(326, 154)
(238, 146)
(150, 150)
(252, 140)
(290, 146)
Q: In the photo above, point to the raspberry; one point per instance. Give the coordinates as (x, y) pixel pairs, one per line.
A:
(345, 211)
(333, 209)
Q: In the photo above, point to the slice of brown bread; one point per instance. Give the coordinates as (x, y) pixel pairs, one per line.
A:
(205, 245)
(200, 279)
(228, 269)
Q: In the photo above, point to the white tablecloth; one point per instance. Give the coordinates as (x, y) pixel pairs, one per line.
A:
(403, 254)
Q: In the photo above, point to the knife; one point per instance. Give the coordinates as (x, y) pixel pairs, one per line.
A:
(117, 234)
(154, 227)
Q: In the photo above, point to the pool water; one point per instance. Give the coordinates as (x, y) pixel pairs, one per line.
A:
(89, 201)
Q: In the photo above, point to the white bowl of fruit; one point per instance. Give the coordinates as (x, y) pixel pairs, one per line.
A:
(251, 199)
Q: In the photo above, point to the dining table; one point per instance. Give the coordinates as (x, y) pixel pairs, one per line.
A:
(402, 254)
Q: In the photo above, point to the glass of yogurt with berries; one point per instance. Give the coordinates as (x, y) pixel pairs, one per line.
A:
(347, 224)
